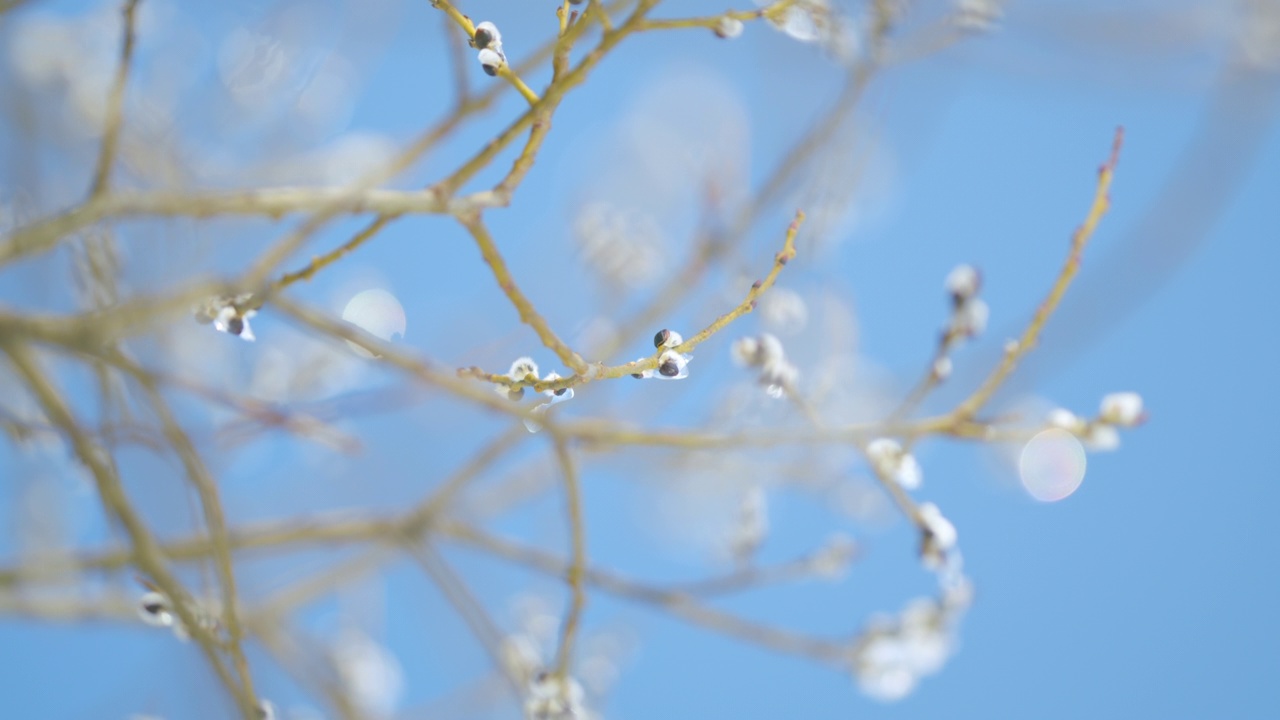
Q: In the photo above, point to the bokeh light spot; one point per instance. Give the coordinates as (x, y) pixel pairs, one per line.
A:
(1052, 465)
(378, 313)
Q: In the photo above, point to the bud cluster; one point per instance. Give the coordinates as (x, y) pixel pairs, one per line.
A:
(488, 41)
(672, 365)
(777, 375)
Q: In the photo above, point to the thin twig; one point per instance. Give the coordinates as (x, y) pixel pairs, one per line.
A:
(677, 604)
(529, 315)
(577, 555)
(146, 553)
(601, 372)
(1101, 201)
(467, 605)
(215, 521)
(115, 104)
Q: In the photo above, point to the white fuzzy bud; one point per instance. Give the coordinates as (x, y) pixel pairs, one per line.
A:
(942, 368)
(673, 365)
(487, 36)
(491, 61)
(667, 339)
(1066, 420)
(892, 462)
(154, 610)
(1123, 409)
(728, 28)
(939, 536)
(523, 369)
(963, 283)
(1101, 437)
(743, 351)
(970, 318)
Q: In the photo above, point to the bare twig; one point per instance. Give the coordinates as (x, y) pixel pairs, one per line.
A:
(529, 315)
(146, 552)
(1101, 200)
(578, 558)
(115, 104)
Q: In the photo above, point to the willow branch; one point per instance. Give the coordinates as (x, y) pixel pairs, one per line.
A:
(145, 553)
(1101, 201)
(115, 104)
(578, 558)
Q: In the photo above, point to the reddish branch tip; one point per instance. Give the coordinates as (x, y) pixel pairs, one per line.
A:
(1115, 146)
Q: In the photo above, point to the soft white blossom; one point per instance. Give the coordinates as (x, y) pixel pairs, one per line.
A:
(777, 375)
(939, 536)
(487, 36)
(778, 378)
(552, 698)
(969, 319)
(815, 21)
(891, 461)
(784, 310)
(667, 339)
(728, 28)
(756, 351)
(673, 365)
(969, 312)
(229, 314)
(942, 368)
(520, 655)
(523, 370)
(371, 674)
(491, 61)
(1066, 420)
(743, 351)
(963, 283)
(896, 653)
(1101, 437)
(1123, 409)
(154, 610)
(488, 41)
(266, 710)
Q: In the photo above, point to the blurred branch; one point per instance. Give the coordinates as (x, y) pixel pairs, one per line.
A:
(115, 104)
(97, 337)
(773, 12)
(308, 665)
(677, 604)
(146, 552)
(215, 520)
(467, 605)
(578, 558)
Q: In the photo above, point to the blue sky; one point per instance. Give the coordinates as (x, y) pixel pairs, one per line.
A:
(1149, 592)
